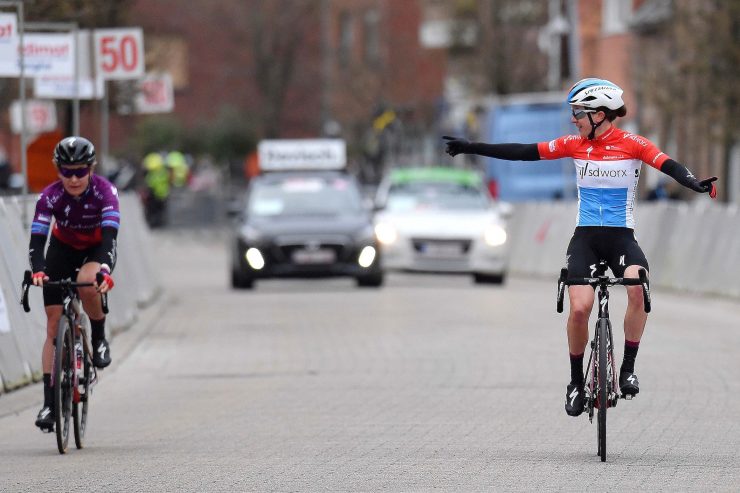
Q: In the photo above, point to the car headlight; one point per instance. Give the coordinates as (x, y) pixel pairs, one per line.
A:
(386, 233)
(367, 257)
(254, 258)
(495, 235)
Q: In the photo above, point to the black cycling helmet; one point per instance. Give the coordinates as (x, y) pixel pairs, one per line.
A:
(74, 150)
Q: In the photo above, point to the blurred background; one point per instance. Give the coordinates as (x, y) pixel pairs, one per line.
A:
(390, 77)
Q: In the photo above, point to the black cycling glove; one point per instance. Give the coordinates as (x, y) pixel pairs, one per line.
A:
(686, 178)
(706, 186)
(511, 152)
(456, 146)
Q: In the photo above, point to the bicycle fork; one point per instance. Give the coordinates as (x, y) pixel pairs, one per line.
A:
(593, 364)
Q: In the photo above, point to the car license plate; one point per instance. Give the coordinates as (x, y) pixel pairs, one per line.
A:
(439, 249)
(320, 256)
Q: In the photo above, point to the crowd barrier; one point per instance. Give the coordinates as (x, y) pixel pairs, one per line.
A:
(22, 334)
(692, 247)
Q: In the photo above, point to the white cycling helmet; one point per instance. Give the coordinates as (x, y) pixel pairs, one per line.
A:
(595, 93)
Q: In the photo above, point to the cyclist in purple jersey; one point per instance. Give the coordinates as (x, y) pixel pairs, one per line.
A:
(84, 207)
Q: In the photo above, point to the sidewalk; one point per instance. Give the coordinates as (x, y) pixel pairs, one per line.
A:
(123, 344)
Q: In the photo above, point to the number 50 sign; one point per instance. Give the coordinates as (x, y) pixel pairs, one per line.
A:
(119, 53)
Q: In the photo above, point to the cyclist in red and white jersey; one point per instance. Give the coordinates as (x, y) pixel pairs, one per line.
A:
(86, 216)
(608, 161)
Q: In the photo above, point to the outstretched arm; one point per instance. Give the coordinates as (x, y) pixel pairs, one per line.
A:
(682, 175)
(511, 152)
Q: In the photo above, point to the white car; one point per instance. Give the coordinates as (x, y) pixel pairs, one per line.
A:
(441, 220)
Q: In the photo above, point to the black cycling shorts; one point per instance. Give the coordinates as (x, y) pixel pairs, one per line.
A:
(63, 262)
(590, 244)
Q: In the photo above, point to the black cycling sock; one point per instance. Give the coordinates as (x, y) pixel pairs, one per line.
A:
(48, 390)
(98, 329)
(576, 369)
(630, 353)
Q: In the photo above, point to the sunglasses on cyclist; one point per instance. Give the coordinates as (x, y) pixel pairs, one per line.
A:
(578, 114)
(70, 172)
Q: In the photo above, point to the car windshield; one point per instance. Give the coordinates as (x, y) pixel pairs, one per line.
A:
(435, 196)
(303, 196)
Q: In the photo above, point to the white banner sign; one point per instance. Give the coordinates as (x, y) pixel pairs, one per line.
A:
(4, 319)
(46, 54)
(64, 88)
(119, 53)
(41, 116)
(8, 44)
(155, 94)
(287, 154)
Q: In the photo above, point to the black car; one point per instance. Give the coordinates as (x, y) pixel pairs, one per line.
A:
(304, 224)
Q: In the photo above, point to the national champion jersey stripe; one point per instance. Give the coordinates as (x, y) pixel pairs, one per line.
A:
(39, 228)
(111, 219)
(607, 173)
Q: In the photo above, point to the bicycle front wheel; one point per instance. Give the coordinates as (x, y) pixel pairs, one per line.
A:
(602, 393)
(63, 373)
(79, 412)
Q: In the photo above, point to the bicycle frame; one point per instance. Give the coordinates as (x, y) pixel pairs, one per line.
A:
(591, 367)
(71, 312)
(72, 384)
(601, 372)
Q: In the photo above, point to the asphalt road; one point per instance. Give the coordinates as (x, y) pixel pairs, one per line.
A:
(430, 383)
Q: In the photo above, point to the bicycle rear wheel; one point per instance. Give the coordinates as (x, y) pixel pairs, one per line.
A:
(63, 361)
(602, 392)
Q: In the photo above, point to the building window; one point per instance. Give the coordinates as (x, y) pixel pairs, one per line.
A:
(372, 37)
(615, 16)
(346, 38)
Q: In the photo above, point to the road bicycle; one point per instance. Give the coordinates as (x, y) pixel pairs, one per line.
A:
(602, 388)
(73, 374)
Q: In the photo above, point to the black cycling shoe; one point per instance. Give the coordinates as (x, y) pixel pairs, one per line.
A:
(628, 383)
(574, 400)
(45, 419)
(101, 353)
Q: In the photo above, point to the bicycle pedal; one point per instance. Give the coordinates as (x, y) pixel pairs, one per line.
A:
(628, 396)
(47, 429)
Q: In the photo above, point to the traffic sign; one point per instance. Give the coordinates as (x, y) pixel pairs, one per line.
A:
(8, 44)
(119, 53)
(41, 116)
(155, 94)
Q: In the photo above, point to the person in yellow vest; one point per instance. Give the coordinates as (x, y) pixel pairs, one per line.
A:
(157, 191)
(178, 167)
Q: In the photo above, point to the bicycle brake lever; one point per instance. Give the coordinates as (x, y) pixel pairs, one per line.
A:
(561, 289)
(645, 290)
(104, 296)
(25, 286)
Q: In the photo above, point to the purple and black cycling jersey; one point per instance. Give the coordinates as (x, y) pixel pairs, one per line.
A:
(82, 222)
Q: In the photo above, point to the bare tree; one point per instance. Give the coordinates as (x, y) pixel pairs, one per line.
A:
(506, 58)
(87, 13)
(278, 30)
(686, 75)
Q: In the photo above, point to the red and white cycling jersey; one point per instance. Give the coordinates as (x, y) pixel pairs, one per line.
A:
(608, 169)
